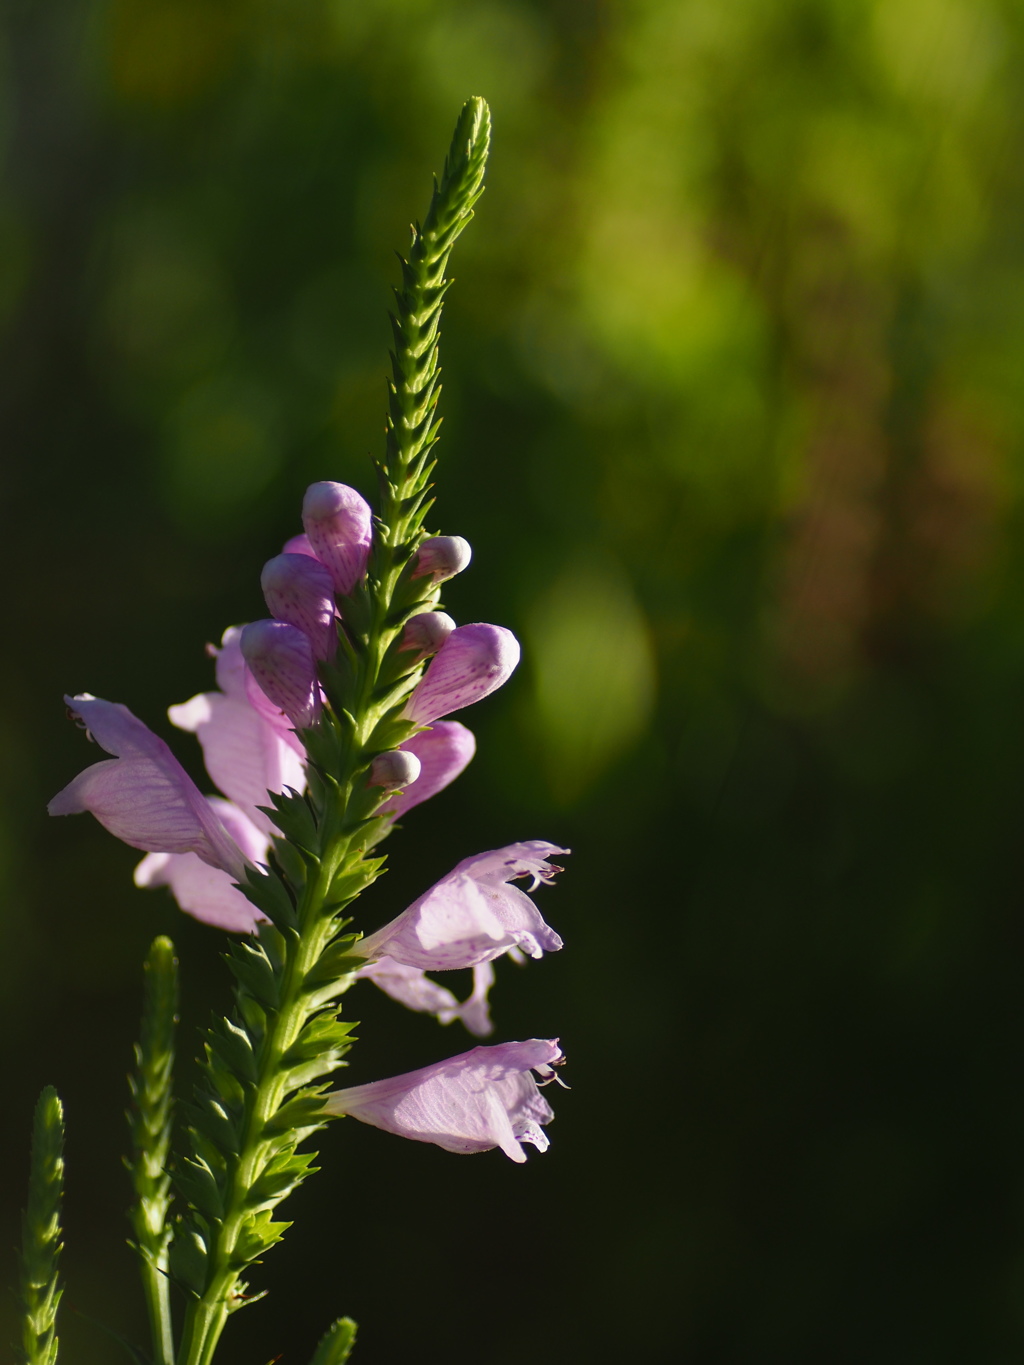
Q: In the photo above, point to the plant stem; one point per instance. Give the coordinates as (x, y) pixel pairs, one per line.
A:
(209, 1314)
(41, 1235)
(150, 1122)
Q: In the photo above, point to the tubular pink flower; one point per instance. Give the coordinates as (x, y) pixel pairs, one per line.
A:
(416, 991)
(207, 893)
(396, 768)
(300, 591)
(143, 795)
(338, 522)
(444, 751)
(280, 659)
(483, 1099)
(442, 557)
(472, 663)
(473, 915)
(426, 633)
(246, 754)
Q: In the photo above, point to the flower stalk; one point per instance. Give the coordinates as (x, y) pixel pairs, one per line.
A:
(264, 1069)
(41, 1235)
(149, 1121)
(325, 728)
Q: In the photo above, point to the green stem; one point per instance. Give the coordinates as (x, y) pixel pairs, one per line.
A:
(149, 1120)
(208, 1315)
(41, 1235)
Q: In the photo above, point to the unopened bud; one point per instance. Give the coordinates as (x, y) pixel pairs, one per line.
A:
(442, 557)
(471, 664)
(426, 633)
(280, 659)
(300, 590)
(394, 769)
(338, 522)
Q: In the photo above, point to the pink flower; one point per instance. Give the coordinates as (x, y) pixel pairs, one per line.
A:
(444, 751)
(483, 1099)
(143, 795)
(472, 915)
(246, 753)
(416, 991)
(299, 590)
(207, 893)
(472, 663)
(339, 525)
(280, 659)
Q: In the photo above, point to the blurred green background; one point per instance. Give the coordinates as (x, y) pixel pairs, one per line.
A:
(734, 421)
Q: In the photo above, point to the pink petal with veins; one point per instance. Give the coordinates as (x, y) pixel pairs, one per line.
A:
(482, 1099)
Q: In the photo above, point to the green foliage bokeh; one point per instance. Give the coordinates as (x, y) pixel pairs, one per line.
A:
(735, 424)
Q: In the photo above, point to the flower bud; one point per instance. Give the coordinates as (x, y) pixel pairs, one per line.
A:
(300, 590)
(338, 523)
(444, 751)
(473, 662)
(280, 658)
(394, 769)
(426, 633)
(442, 557)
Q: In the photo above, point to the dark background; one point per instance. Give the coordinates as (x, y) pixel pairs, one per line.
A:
(734, 422)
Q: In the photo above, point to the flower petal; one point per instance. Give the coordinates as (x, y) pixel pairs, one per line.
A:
(416, 991)
(143, 795)
(245, 756)
(482, 1099)
(208, 893)
(472, 915)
